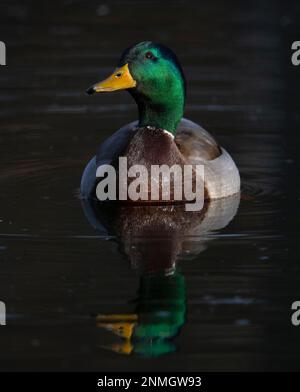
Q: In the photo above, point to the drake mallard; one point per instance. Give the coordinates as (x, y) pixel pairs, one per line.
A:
(152, 74)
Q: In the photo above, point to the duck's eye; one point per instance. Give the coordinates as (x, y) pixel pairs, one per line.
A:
(150, 56)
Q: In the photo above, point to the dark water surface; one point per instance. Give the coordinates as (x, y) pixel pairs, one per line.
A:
(158, 289)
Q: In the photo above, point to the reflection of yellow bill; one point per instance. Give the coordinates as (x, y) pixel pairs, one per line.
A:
(120, 324)
(122, 348)
(123, 329)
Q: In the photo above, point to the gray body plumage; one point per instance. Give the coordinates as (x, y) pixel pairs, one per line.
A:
(221, 175)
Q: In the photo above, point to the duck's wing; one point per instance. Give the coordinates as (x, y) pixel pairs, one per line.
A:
(113, 147)
(221, 175)
(194, 142)
(108, 152)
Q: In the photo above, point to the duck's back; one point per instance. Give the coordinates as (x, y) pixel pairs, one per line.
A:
(193, 141)
(221, 175)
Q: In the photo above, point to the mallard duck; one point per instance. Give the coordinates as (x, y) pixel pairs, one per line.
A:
(152, 74)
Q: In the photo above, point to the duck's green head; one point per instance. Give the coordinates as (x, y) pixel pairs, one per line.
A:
(153, 75)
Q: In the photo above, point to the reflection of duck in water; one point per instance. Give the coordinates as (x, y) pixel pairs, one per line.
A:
(153, 238)
(154, 77)
(159, 315)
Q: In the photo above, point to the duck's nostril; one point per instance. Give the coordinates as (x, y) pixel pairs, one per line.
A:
(117, 75)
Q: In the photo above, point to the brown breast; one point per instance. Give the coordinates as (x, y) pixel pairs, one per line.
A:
(154, 146)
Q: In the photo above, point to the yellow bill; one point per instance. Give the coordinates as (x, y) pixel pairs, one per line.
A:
(121, 79)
